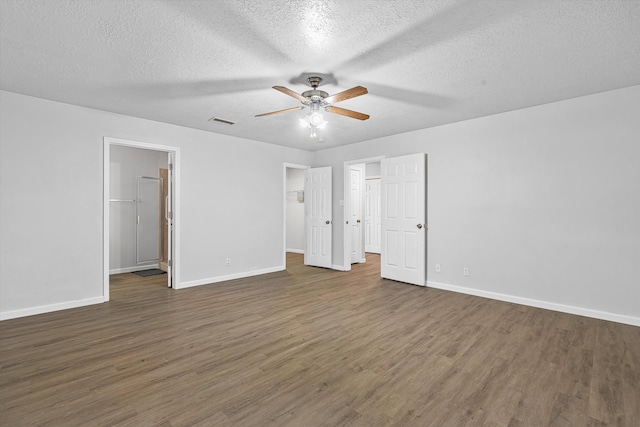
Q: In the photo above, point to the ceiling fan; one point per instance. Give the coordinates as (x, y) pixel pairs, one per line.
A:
(316, 99)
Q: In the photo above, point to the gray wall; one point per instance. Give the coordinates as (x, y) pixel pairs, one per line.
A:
(541, 203)
(51, 210)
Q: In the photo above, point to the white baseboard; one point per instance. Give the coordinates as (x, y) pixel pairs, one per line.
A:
(296, 251)
(14, 314)
(132, 269)
(580, 311)
(234, 276)
(339, 267)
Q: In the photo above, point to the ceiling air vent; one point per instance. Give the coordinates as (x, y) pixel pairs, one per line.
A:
(219, 120)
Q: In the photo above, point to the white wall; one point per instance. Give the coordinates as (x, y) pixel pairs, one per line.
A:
(126, 164)
(51, 158)
(295, 211)
(542, 204)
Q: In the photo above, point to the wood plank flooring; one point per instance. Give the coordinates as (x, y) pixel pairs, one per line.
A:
(314, 347)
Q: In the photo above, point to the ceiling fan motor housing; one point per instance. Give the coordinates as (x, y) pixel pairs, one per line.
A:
(315, 100)
(315, 95)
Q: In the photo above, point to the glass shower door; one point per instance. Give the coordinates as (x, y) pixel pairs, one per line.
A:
(148, 211)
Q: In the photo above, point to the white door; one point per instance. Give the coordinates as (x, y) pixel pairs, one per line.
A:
(317, 210)
(168, 210)
(403, 219)
(372, 218)
(356, 213)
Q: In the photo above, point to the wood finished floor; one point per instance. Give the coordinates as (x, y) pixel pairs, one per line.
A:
(314, 347)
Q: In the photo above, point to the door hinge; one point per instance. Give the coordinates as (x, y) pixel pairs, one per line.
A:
(170, 166)
(170, 263)
(170, 215)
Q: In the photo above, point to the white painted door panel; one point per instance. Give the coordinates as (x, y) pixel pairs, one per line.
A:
(169, 217)
(356, 213)
(372, 216)
(318, 226)
(403, 219)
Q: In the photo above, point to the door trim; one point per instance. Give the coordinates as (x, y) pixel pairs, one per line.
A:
(107, 143)
(284, 208)
(346, 243)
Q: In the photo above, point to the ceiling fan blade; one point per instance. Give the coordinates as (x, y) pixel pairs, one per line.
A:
(280, 111)
(348, 113)
(291, 93)
(347, 94)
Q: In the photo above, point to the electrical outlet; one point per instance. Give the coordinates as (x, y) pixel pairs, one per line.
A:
(438, 268)
(228, 261)
(465, 271)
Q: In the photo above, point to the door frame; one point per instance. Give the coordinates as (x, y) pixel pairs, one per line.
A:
(286, 166)
(108, 142)
(346, 242)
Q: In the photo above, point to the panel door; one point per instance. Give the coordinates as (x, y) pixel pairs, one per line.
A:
(403, 219)
(372, 219)
(356, 213)
(318, 221)
(168, 215)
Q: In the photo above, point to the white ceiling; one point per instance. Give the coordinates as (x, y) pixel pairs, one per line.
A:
(425, 63)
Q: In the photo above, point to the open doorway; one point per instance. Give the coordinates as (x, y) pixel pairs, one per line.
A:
(359, 208)
(140, 200)
(402, 207)
(294, 219)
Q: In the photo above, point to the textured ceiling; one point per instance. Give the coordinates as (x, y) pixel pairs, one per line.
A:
(424, 62)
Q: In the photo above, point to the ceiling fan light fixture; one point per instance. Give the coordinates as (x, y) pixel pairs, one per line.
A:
(317, 100)
(313, 120)
(316, 119)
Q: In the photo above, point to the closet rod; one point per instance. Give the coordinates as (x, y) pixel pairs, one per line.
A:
(122, 200)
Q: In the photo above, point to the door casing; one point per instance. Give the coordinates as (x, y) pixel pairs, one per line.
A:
(174, 276)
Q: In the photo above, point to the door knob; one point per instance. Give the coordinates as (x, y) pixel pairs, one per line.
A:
(358, 221)
(419, 226)
(327, 222)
